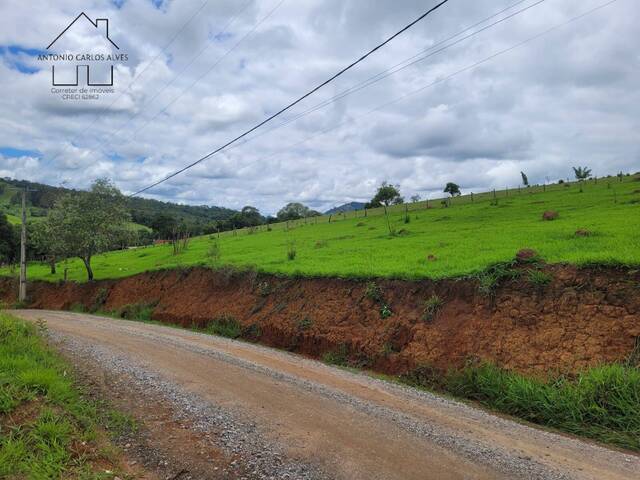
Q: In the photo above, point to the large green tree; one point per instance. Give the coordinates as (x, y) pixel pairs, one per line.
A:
(452, 189)
(87, 223)
(295, 211)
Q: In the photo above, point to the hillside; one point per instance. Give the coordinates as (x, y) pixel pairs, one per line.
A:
(142, 210)
(347, 207)
(438, 241)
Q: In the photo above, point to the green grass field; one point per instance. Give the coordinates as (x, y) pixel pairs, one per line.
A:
(464, 238)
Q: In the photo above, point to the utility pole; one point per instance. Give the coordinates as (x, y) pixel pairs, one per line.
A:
(22, 293)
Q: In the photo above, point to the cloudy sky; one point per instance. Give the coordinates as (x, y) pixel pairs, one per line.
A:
(199, 73)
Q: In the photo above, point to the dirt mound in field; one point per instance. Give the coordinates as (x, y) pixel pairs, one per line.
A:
(581, 318)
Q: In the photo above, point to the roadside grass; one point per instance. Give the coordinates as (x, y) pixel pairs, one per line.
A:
(602, 403)
(462, 239)
(47, 428)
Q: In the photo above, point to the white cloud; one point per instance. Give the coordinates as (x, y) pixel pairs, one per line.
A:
(568, 98)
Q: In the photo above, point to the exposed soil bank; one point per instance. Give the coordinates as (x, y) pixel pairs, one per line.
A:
(584, 316)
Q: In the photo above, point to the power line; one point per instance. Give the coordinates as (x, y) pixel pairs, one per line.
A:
(401, 66)
(175, 77)
(136, 77)
(436, 82)
(371, 80)
(295, 102)
(197, 80)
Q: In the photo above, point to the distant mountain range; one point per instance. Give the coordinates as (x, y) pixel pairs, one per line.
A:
(347, 207)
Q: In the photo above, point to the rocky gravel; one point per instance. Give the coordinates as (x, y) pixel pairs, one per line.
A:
(240, 437)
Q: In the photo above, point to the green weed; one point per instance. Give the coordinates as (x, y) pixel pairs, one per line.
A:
(431, 307)
(539, 278)
(225, 326)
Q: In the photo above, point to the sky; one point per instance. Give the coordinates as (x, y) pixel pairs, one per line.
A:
(198, 73)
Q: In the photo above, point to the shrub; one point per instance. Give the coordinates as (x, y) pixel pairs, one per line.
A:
(385, 311)
(431, 307)
(225, 326)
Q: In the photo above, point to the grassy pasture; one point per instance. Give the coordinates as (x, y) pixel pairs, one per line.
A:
(462, 239)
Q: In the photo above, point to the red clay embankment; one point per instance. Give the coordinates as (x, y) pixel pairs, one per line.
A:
(584, 316)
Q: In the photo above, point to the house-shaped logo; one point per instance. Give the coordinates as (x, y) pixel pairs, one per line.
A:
(84, 62)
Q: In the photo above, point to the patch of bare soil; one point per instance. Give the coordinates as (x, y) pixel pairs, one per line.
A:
(582, 317)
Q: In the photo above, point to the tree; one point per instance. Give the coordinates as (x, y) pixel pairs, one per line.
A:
(452, 189)
(386, 195)
(581, 173)
(251, 216)
(9, 241)
(44, 242)
(164, 225)
(415, 198)
(525, 180)
(295, 211)
(87, 223)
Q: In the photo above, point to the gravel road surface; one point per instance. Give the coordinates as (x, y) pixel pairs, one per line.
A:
(284, 416)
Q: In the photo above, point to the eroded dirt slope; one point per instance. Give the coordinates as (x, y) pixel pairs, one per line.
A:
(582, 317)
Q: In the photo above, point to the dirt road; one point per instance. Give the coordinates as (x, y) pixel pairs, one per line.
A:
(323, 422)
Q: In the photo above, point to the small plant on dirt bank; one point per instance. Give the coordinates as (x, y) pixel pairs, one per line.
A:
(77, 308)
(336, 357)
(431, 308)
(492, 277)
(305, 323)
(385, 311)
(264, 289)
(374, 292)
(225, 326)
(136, 311)
(100, 300)
(539, 278)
